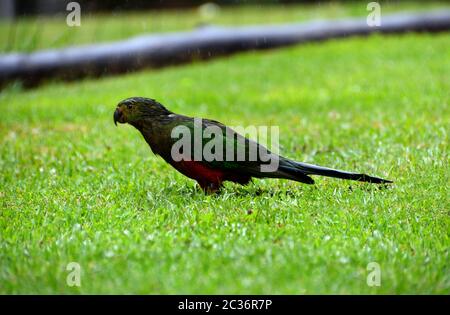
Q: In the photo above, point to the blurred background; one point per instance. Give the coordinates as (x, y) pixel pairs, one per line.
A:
(12, 8)
(30, 25)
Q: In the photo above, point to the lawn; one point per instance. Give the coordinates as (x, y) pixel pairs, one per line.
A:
(75, 188)
(30, 34)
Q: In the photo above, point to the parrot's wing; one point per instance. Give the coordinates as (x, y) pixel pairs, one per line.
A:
(223, 148)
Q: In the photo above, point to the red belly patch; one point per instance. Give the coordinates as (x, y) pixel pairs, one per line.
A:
(198, 171)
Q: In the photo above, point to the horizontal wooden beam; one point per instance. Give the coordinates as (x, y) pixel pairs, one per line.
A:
(173, 48)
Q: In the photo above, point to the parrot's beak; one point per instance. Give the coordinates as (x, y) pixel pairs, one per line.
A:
(118, 116)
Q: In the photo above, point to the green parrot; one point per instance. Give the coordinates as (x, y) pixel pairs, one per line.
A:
(163, 130)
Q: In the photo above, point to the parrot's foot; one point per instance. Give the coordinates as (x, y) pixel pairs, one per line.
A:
(210, 188)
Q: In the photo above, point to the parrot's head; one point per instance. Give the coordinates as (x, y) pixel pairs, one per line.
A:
(134, 110)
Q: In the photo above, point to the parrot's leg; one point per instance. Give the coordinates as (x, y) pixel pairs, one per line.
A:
(210, 187)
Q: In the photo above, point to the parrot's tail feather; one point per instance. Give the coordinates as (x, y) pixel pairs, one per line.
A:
(294, 173)
(310, 169)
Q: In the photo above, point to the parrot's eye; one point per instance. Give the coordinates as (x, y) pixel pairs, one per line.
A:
(129, 106)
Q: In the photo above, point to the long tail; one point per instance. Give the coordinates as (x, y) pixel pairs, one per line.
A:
(299, 171)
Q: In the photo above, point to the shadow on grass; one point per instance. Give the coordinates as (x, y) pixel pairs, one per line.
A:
(194, 192)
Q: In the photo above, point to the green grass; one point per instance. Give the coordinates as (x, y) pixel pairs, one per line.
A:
(28, 34)
(73, 187)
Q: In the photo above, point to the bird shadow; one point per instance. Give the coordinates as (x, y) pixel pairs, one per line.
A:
(298, 191)
(194, 191)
